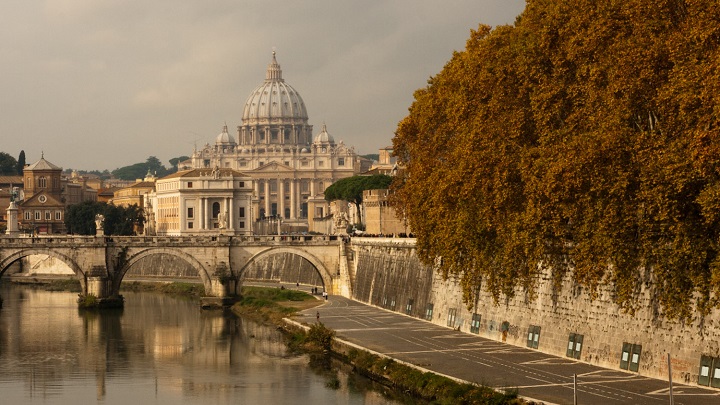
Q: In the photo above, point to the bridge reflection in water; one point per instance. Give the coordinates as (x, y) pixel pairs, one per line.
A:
(220, 262)
(156, 350)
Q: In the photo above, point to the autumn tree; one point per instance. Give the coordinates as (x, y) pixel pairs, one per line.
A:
(583, 139)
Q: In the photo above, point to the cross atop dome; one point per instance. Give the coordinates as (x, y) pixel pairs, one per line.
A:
(274, 73)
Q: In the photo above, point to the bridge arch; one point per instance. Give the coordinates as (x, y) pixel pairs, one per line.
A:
(322, 270)
(15, 256)
(141, 254)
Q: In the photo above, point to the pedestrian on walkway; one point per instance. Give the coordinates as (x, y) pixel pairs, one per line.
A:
(317, 315)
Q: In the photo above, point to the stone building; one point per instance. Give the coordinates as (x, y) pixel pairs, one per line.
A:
(380, 216)
(200, 201)
(43, 209)
(134, 194)
(290, 169)
(45, 195)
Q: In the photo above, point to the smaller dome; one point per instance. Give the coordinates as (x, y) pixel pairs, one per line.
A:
(225, 137)
(324, 137)
(304, 150)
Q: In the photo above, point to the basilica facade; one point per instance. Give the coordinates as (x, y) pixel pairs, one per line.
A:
(290, 167)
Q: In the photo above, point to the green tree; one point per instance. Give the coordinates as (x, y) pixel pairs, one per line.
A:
(138, 170)
(8, 164)
(80, 218)
(21, 163)
(351, 189)
(174, 162)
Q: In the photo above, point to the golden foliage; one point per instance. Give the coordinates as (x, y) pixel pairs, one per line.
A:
(584, 138)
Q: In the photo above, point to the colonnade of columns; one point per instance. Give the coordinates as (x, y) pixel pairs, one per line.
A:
(299, 135)
(205, 216)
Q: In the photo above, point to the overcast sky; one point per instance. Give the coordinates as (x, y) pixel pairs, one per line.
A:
(104, 84)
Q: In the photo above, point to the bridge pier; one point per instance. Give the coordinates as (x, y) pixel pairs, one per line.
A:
(223, 287)
(99, 292)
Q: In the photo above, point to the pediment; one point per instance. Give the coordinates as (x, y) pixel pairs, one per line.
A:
(272, 167)
(34, 201)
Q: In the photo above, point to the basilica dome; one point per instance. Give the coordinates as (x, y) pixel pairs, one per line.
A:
(274, 100)
(324, 137)
(224, 137)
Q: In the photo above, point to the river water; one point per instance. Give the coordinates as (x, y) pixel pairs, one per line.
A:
(157, 350)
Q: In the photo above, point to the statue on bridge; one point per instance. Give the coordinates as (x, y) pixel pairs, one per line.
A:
(99, 225)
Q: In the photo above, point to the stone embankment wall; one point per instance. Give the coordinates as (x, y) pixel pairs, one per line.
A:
(285, 268)
(387, 273)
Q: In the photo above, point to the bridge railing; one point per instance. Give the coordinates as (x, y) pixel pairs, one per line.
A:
(49, 240)
(168, 240)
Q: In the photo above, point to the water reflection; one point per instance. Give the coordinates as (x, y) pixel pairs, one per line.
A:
(158, 349)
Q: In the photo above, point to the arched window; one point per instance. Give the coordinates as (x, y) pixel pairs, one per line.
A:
(215, 210)
(42, 182)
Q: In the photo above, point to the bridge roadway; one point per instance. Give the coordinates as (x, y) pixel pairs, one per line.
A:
(475, 359)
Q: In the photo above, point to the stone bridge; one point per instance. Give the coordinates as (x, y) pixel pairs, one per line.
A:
(100, 263)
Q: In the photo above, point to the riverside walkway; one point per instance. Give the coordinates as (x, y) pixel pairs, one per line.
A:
(537, 376)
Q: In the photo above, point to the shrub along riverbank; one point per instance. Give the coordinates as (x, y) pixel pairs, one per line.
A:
(274, 304)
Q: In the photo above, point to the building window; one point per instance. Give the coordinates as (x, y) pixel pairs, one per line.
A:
(42, 182)
(429, 312)
(709, 374)
(243, 163)
(287, 213)
(318, 212)
(242, 224)
(273, 209)
(475, 324)
(321, 163)
(273, 186)
(58, 215)
(304, 186)
(533, 340)
(37, 215)
(286, 163)
(28, 215)
(190, 225)
(574, 346)
(341, 161)
(241, 184)
(304, 210)
(452, 313)
(242, 212)
(215, 210)
(191, 212)
(304, 163)
(189, 184)
(286, 186)
(630, 357)
(48, 215)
